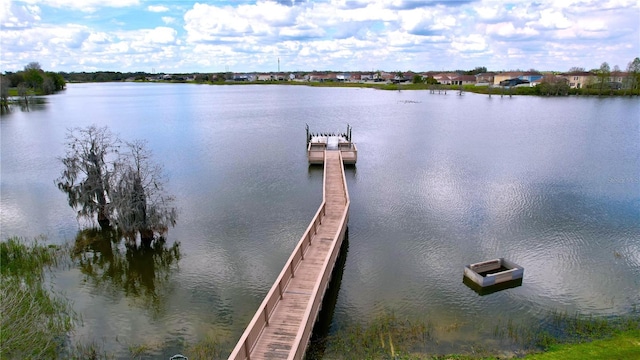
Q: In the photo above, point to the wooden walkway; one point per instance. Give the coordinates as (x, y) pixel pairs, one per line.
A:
(282, 326)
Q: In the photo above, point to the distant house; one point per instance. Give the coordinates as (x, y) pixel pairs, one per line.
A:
(620, 80)
(323, 77)
(531, 76)
(386, 76)
(342, 77)
(444, 79)
(242, 77)
(514, 82)
(500, 77)
(484, 78)
(463, 80)
(579, 79)
(367, 77)
(454, 79)
(265, 77)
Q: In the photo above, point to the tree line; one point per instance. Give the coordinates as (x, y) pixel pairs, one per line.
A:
(30, 81)
(35, 79)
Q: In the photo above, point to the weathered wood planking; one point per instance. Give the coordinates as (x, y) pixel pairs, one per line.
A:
(282, 326)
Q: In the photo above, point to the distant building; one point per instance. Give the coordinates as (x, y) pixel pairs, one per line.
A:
(342, 77)
(485, 78)
(455, 79)
(265, 77)
(579, 79)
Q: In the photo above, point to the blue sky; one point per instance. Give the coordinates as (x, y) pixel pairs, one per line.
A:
(341, 35)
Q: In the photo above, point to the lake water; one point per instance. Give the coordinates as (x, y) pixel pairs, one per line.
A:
(552, 184)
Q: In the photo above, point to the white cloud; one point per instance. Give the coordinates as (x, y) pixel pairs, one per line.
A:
(85, 5)
(161, 35)
(552, 19)
(99, 38)
(471, 43)
(206, 23)
(593, 25)
(157, 8)
(506, 30)
(14, 15)
(168, 20)
(490, 13)
(331, 34)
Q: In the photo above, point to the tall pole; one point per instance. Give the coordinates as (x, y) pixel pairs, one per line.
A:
(278, 65)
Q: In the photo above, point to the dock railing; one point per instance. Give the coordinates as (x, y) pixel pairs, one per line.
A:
(349, 152)
(315, 152)
(320, 287)
(263, 313)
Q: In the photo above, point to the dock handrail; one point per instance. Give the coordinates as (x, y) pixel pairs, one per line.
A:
(302, 339)
(263, 313)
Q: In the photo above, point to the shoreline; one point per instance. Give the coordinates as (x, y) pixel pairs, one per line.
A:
(434, 88)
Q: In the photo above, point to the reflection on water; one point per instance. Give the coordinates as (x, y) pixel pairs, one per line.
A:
(322, 327)
(493, 288)
(31, 103)
(139, 272)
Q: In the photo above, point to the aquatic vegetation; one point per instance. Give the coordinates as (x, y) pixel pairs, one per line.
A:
(35, 320)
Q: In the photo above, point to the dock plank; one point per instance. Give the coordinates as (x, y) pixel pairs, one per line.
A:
(278, 337)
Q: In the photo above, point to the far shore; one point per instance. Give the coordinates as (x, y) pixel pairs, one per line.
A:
(434, 88)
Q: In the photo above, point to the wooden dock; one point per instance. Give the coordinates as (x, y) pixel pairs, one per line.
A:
(282, 325)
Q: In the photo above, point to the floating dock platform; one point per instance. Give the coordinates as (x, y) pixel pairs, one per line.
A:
(318, 143)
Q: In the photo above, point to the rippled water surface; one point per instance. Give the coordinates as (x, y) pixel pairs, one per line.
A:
(552, 184)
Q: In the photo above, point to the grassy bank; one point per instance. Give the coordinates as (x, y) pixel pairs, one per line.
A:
(623, 345)
(35, 321)
(392, 337)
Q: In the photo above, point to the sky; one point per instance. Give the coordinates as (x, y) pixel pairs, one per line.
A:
(183, 36)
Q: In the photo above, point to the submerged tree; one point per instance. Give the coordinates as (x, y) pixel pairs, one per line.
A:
(122, 188)
(140, 203)
(89, 164)
(4, 93)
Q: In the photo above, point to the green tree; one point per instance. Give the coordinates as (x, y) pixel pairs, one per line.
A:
(417, 79)
(48, 86)
(58, 80)
(553, 86)
(603, 76)
(633, 75)
(33, 76)
(431, 80)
